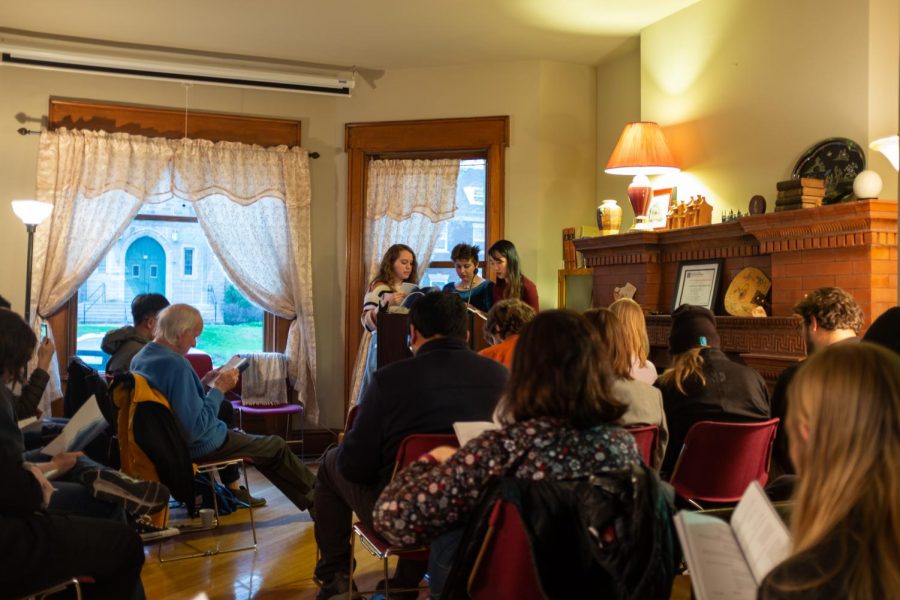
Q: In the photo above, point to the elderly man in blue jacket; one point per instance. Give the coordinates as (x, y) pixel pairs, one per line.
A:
(164, 366)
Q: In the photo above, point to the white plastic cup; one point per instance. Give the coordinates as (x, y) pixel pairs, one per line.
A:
(207, 517)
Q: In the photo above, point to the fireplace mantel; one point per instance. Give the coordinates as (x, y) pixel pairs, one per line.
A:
(850, 245)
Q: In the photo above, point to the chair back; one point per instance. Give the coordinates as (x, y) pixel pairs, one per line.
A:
(201, 361)
(647, 438)
(415, 445)
(719, 460)
(504, 568)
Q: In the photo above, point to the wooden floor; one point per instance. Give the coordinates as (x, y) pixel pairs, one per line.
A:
(282, 566)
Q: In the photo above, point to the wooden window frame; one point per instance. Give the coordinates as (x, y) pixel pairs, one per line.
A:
(170, 123)
(475, 137)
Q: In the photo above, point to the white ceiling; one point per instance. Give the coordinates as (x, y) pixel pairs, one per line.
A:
(375, 34)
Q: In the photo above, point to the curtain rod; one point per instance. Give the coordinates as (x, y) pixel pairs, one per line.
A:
(25, 131)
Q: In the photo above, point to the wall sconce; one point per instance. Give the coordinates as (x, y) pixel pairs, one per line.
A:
(32, 213)
(641, 151)
(890, 147)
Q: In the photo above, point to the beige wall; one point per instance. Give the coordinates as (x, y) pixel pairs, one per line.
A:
(884, 85)
(744, 88)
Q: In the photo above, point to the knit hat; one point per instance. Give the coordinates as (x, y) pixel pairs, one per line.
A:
(692, 326)
(885, 330)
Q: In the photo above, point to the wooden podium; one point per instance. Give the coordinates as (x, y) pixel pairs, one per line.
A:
(393, 332)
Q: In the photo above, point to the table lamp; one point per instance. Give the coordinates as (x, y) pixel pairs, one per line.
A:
(641, 151)
(32, 213)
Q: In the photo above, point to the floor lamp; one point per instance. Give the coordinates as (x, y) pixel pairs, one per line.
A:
(32, 213)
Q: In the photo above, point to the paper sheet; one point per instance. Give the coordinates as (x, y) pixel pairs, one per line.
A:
(759, 530)
(469, 430)
(81, 429)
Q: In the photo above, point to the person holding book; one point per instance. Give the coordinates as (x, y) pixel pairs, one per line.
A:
(398, 274)
(163, 364)
(511, 283)
(703, 384)
(474, 290)
(637, 342)
(645, 403)
(504, 322)
(559, 413)
(843, 422)
(82, 486)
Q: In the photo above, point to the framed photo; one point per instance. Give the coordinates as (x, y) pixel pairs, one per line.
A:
(659, 207)
(698, 283)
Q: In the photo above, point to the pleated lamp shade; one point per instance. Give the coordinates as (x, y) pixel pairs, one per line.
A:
(641, 150)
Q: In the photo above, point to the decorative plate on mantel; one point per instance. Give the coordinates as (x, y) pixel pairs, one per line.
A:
(836, 160)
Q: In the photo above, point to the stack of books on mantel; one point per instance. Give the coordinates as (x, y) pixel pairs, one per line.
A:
(805, 192)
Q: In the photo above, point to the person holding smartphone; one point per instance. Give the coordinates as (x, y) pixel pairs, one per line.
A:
(26, 404)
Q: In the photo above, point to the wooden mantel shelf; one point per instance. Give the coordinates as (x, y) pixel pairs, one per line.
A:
(850, 245)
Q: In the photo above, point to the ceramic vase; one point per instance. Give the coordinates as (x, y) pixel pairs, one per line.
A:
(609, 217)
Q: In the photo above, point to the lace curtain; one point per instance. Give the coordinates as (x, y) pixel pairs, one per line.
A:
(253, 204)
(406, 201)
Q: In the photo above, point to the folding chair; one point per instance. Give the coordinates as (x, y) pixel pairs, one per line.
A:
(411, 448)
(73, 583)
(210, 468)
(719, 460)
(504, 568)
(647, 438)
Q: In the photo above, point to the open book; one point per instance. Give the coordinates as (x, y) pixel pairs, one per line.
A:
(80, 431)
(469, 430)
(236, 362)
(731, 560)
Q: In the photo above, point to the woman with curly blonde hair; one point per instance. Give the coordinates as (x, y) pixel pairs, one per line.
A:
(843, 425)
(634, 335)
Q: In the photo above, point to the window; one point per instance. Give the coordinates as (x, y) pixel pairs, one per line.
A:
(480, 142)
(232, 324)
(466, 226)
(188, 262)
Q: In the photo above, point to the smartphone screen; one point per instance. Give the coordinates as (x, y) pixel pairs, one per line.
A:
(44, 333)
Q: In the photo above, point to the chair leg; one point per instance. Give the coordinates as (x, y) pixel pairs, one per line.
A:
(350, 570)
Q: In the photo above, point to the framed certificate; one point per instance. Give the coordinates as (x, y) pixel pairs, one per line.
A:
(698, 283)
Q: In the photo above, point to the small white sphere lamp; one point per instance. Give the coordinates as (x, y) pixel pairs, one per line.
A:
(867, 185)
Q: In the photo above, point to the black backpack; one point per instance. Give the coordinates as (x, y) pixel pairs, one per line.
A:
(83, 383)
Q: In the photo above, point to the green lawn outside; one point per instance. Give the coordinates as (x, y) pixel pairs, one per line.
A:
(219, 341)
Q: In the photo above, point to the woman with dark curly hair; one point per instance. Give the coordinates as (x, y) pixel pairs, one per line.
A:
(474, 290)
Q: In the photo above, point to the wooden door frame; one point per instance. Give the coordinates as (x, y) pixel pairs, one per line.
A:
(435, 138)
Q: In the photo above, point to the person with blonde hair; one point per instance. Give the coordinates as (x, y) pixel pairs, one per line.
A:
(843, 424)
(634, 335)
(645, 403)
(703, 384)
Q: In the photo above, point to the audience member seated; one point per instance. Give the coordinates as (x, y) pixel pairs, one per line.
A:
(163, 365)
(830, 315)
(123, 343)
(474, 290)
(82, 486)
(442, 383)
(511, 283)
(885, 330)
(637, 342)
(843, 421)
(644, 402)
(42, 548)
(703, 384)
(26, 404)
(559, 439)
(504, 321)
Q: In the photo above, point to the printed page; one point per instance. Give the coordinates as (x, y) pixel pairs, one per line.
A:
(232, 363)
(81, 429)
(468, 430)
(26, 422)
(717, 567)
(763, 536)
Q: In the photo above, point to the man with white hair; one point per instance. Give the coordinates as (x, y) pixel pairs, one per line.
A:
(163, 365)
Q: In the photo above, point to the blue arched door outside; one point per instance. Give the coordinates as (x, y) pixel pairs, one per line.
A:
(145, 268)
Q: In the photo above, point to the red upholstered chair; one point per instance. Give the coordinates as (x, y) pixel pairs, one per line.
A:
(201, 361)
(411, 448)
(74, 584)
(719, 460)
(505, 569)
(647, 438)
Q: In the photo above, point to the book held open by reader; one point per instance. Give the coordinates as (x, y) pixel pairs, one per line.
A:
(82, 428)
(730, 560)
